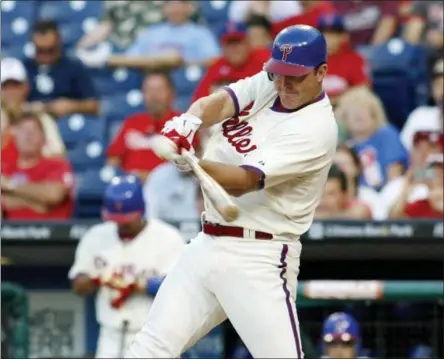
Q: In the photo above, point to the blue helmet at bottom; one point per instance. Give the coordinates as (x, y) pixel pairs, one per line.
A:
(123, 201)
(341, 327)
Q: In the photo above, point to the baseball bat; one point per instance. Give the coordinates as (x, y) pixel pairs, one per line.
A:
(216, 193)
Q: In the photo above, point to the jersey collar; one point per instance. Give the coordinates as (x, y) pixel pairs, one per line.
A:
(277, 106)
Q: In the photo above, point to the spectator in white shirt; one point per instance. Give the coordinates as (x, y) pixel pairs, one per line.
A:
(173, 195)
(169, 44)
(427, 118)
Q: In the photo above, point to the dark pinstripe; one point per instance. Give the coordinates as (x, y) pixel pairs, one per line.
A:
(294, 326)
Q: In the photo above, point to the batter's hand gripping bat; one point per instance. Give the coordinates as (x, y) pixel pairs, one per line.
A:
(216, 193)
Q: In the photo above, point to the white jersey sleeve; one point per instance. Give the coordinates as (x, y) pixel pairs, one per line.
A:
(89, 246)
(288, 155)
(258, 88)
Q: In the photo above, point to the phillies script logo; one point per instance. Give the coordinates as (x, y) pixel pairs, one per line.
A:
(286, 49)
(237, 132)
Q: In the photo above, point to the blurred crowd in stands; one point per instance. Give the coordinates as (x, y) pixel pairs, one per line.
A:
(83, 81)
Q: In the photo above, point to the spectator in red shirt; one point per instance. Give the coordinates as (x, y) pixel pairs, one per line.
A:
(432, 207)
(346, 68)
(124, 152)
(9, 150)
(15, 90)
(238, 61)
(369, 22)
(35, 187)
(312, 11)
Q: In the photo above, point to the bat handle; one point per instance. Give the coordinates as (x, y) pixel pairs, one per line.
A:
(190, 159)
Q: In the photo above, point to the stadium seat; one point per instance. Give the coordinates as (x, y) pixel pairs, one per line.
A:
(90, 189)
(394, 56)
(398, 96)
(109, 81)
(183, 102)
(71, 32)
(215, 13)
(214, 10)
(18, 51)
(94, 182)
(118, 107)
(79, 128)
(15, 33)
(63, 11)
(112, 129)
(88, 155)
(186, 79)
(12, 10)
(399, 72)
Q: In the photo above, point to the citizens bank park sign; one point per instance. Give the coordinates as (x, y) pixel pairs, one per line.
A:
(73, 231)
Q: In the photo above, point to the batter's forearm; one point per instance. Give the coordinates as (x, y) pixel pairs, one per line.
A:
(235, 180)
(213, 109)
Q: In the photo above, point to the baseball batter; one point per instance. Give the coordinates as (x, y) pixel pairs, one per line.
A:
(125, 260)
(272, 153)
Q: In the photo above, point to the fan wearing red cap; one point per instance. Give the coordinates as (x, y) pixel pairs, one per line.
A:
(238, 61)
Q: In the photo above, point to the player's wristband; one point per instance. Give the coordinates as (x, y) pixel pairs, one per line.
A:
(97, 281)
(153, 285)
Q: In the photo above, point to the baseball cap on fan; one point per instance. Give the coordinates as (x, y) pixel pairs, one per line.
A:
(331, 22)
(233, 32)
(12, 70)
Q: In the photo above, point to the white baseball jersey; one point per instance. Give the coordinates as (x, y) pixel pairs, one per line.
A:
(151, 253)
(241, 278)
(292, 150)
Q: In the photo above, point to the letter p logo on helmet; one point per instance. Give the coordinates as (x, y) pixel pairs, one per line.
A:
(286, 49)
